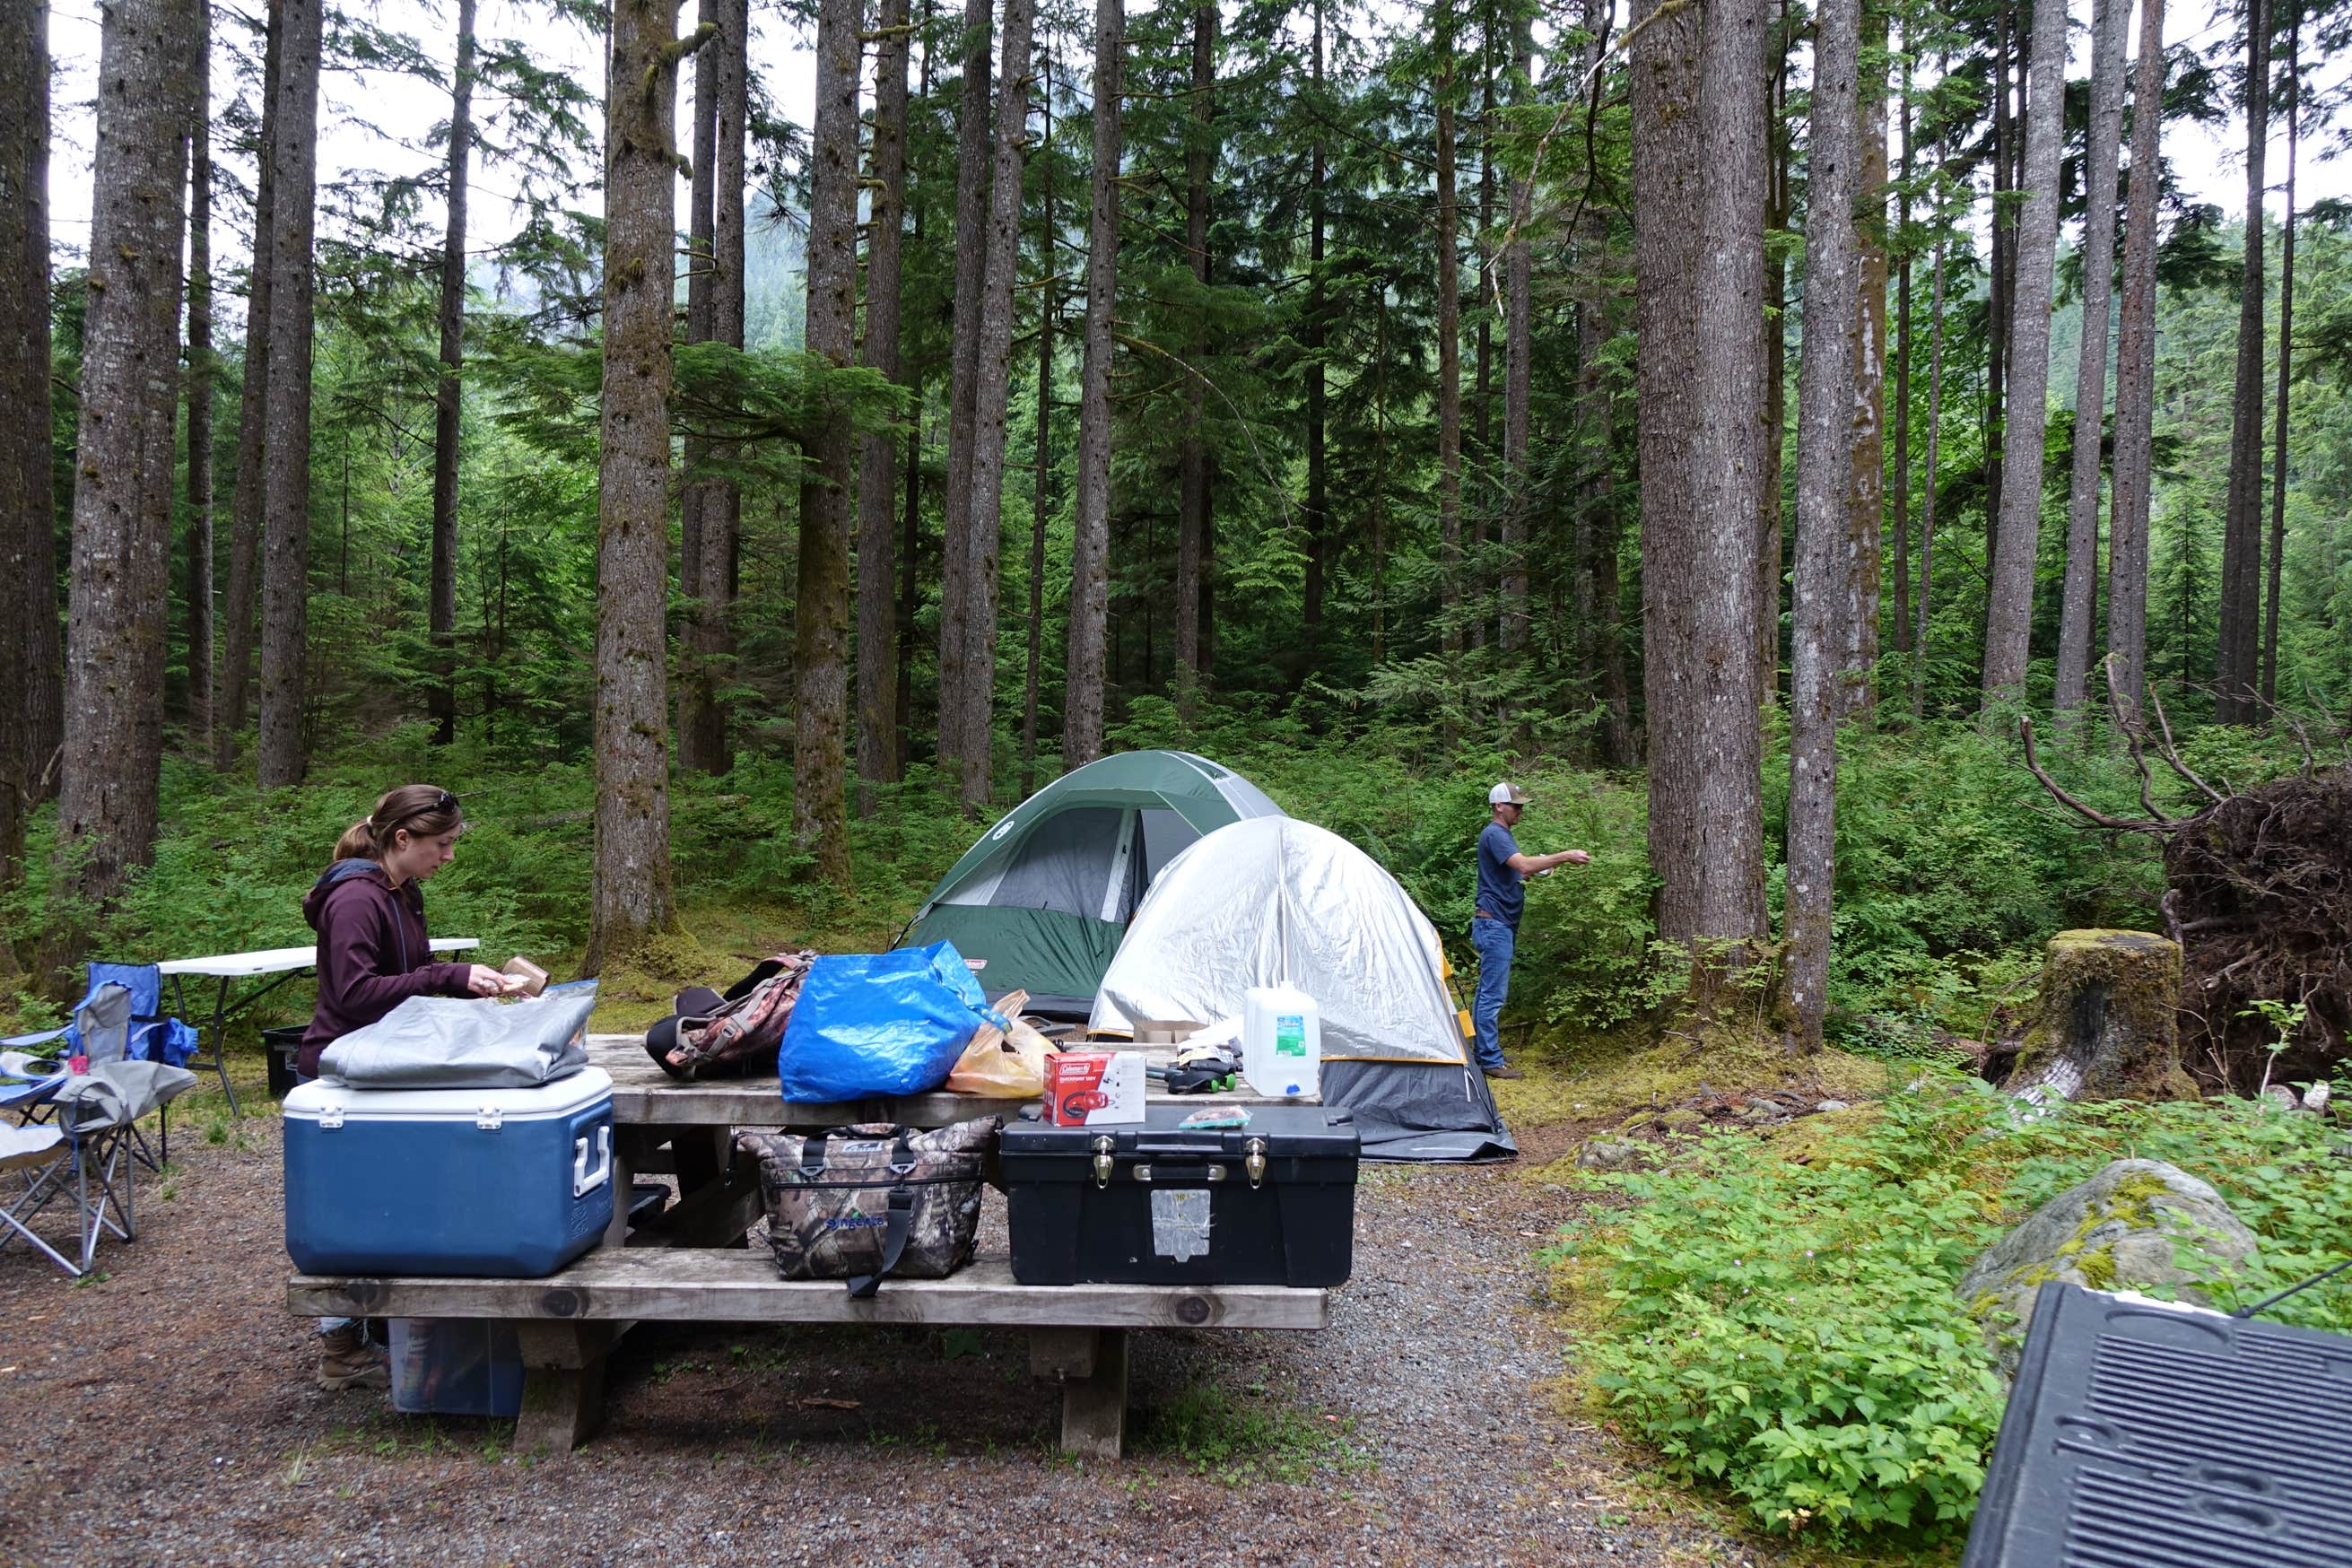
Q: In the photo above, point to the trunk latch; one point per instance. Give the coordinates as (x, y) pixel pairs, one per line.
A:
(1104, 1147)
(1255, 1161)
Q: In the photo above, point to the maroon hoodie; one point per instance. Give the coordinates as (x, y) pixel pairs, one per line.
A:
(373, 953)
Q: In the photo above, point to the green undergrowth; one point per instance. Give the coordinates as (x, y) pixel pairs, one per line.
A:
(1776, 1317)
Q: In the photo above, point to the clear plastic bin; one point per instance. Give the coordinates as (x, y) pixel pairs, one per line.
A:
(456, 1366)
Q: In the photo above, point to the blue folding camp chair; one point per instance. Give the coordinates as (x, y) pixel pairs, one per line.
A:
(118, 1019)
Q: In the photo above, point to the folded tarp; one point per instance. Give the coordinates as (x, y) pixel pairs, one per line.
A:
(458, 1042)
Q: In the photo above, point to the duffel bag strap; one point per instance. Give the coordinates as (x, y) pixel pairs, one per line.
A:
(900, 1220)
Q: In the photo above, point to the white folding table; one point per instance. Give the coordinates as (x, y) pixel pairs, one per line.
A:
(284, 962)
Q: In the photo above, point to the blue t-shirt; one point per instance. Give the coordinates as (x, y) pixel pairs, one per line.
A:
(1501, 889)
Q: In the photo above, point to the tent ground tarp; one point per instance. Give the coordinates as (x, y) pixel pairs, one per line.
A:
(1276, 901)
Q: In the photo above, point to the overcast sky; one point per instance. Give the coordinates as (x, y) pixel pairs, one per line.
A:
(360, 114)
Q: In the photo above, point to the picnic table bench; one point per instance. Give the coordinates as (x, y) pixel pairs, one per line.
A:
(686, 1260)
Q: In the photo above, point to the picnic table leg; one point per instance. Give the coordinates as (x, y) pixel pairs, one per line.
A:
(1091, 1364)
(562, 1383)
(617, 1233)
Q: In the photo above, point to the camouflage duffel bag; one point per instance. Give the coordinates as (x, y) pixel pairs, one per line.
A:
(872, 1201)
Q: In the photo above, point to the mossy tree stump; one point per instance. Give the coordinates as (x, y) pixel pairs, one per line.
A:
(2105, 1022)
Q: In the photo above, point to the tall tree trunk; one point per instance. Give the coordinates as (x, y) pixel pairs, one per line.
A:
(695, 684)
(1901, 473)
(28, 613)
(877, 479)
(252, 427)
(910, 535)
(958, 568)
(1594, 419)
(1040, 493)
(2285, 368)
(2110, 21)
(119, 588)
(449, 400)
(990, 406)
(2009, 621)
(1318, 500)
(1193, 564)
(1856, 691)
(1699, 103)
(200, 382)
(1999, 314)
(1772, 325)
(821, 614)
(1082, 698)
(709, 631)
(1934, 473)
(630, 892)
(1449, 345)
(709, 508)
(2237, 662)
(1830, 430)
(1518, 369)
(285, 474)
(2136, 385)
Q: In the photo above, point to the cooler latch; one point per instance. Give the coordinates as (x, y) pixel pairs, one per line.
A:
(489, 1119)
(331, 1118)
(1104, 1147)
(1255, 1161)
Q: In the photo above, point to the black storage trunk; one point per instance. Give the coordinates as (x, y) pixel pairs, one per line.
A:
(2148, 1436)
(1272, 1203)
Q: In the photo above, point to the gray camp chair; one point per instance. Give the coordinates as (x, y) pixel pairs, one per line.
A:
(88, 1156)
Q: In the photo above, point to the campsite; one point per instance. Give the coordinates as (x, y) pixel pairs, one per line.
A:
(1481, 781)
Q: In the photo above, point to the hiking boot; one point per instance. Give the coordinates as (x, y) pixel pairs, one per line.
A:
(347, 1361)
(1505, 1071)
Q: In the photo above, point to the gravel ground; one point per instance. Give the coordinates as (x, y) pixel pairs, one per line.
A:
(176, 1396)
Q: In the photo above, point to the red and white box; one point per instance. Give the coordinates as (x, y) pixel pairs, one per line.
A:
(1094, 1088)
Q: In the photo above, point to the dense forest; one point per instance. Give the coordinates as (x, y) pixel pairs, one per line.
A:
(1746, 411)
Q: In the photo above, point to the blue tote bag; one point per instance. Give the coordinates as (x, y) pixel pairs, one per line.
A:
(880, 1023)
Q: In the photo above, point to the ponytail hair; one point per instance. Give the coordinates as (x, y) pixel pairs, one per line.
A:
(424, 810)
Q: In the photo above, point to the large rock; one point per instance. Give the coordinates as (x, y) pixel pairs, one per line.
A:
(2105, 1022)
(2138, 1224)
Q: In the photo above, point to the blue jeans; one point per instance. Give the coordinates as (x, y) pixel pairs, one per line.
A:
(1493, 940)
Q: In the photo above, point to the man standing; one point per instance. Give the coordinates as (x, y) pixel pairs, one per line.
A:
(1503, 872)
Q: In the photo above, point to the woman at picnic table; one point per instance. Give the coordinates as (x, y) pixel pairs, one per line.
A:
(368, 908)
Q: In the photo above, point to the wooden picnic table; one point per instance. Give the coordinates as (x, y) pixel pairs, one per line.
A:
(685, 1259)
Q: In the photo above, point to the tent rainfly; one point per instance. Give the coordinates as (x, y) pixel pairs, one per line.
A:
(1282, 902)
(1045, 897)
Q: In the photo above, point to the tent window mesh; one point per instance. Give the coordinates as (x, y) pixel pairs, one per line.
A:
(1064, 867)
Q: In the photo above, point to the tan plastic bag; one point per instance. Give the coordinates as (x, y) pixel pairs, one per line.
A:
(1001, 1066)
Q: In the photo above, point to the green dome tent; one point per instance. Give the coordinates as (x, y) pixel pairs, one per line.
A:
(1045, 897)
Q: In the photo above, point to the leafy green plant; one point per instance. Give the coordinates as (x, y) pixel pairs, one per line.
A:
(1789, 1330)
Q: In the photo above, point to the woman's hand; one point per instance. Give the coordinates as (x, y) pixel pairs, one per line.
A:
(484, 980)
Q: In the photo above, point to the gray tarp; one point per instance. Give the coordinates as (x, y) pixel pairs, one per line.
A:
(459, 1042)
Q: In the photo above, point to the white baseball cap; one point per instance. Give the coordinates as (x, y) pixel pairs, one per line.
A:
(1507, 794)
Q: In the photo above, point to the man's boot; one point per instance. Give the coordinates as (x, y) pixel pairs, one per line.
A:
(348, 1360)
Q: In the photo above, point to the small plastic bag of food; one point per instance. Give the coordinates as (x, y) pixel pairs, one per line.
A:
(1003, 1064)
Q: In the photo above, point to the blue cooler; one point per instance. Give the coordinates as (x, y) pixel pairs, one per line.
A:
(495, 1183)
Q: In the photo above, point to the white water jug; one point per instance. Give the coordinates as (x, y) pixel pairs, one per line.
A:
(1282, 1042)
